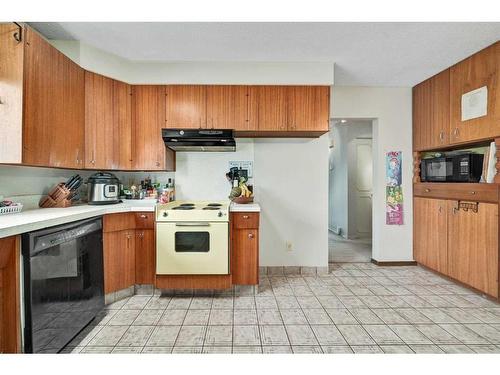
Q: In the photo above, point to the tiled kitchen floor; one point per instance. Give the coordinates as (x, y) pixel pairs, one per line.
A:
(356, 308)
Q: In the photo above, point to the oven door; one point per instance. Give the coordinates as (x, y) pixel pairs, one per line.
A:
(192, 248)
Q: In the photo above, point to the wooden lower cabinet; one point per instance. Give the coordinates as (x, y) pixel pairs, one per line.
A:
(119, 260)
(430, 246)
(457, 243)
(245, 248)
(10, 328)
(473, 246)
(145, 256)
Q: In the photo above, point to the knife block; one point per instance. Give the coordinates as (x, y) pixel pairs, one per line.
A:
(58, 197)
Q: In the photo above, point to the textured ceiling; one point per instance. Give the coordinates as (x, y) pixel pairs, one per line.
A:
(365, 54)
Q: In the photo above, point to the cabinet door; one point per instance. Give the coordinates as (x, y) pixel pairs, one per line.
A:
(430, 233)
(54, 106)
(422, 131)
(119, 260)
(148, 115)
(245, 257)
(99, 124)
(127, 277)
(186, 106)
(473, 246)
(481, 69)
(272, 108)
(440, 109)
(112, 258)
(145, 256)
(227, 107)
(122, 118)
(308, 108)
(11, 94)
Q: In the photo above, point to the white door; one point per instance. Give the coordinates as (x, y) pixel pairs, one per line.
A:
(363, 187)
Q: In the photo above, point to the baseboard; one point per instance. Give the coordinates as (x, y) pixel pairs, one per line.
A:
(394, 263)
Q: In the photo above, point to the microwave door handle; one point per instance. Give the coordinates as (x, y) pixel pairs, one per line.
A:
(188, 224)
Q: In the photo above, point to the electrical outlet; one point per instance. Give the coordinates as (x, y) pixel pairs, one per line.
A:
(288, 246)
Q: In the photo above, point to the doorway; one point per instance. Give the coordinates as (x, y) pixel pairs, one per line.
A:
(350, 191)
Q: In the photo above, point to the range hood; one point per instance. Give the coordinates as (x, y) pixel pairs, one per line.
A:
(199, 139)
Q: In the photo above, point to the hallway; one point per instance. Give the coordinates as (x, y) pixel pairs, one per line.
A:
(341, 250)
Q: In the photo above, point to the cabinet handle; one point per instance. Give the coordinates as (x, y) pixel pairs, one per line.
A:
(143, 216)
(93, 158)
(427, 190)
(440, 209)
(456, 132)
(245, 216)
(157, 163)
(441, 135)
(250, 235)
(473, 192)
(141, 235)
(77, 156)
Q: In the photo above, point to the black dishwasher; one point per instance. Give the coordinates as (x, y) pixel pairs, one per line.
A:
(63, 283)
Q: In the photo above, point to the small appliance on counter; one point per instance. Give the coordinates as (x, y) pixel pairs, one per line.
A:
(464, 167)
(103, 188)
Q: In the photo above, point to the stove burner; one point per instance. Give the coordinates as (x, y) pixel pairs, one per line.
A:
(210, 208)
(186, 205)
(214, 205)
(183, 208)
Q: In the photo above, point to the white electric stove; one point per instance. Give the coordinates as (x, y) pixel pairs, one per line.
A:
(192, 238)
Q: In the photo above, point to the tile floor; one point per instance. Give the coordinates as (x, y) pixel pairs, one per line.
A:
(343, 250)
(356, 308)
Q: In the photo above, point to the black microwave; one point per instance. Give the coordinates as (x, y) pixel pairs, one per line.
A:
(457, 168)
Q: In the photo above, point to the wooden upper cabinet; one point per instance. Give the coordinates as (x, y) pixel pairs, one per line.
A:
(473, 250)
(54, 106)
(108, 125)
(122, 117)
(11, 94)
(227, 107)
(430, 225)
(148, 118)
(99, 123)
(272, 108)
(185, 107)
(431, 112)
(479, 70)
(308, 108)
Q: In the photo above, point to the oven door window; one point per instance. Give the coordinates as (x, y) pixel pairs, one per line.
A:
(192, 242)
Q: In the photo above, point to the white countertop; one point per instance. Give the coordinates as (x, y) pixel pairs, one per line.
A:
(248, 207)
(40, 218)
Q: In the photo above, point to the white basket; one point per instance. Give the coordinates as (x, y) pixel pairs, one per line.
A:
(14, 209)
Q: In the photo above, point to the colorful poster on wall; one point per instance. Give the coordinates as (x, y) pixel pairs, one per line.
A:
(394, 189)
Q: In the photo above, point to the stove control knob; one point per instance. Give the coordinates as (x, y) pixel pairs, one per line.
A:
(165, 213)
(219, 214)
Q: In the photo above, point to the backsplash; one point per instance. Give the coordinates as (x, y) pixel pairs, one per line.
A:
(27, 185)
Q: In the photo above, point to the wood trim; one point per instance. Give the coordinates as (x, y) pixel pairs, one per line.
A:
(278, 134)
(193, 281)
(475, 192)
(416, 166)
(394, 263)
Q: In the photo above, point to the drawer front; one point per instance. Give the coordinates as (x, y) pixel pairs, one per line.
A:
(245, 220)
(116, 222)
(457, 191)
(145, 220)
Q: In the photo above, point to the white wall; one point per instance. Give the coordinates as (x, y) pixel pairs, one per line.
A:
(202, 175)
(391, 109)
(342, 176)
(292, 187)
(136, 72)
